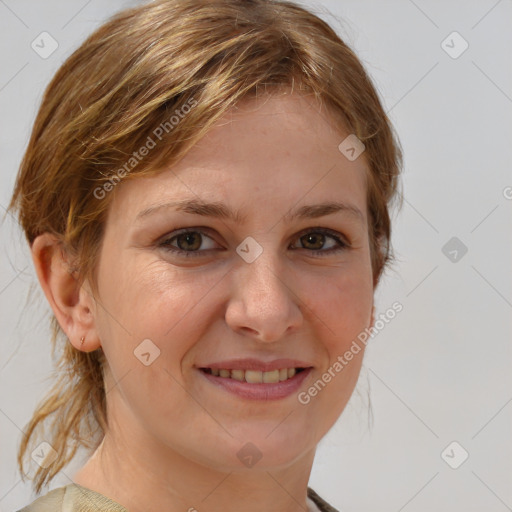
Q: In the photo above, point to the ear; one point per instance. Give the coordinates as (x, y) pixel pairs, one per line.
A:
(72, 304)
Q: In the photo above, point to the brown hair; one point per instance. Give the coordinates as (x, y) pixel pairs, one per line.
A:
(128, 78)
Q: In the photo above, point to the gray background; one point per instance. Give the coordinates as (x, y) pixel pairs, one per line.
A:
(440, 371)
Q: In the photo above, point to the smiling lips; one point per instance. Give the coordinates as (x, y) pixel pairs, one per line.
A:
(256, 380)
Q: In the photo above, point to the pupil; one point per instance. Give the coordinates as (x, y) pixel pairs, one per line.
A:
(312, 238)
(189, 240)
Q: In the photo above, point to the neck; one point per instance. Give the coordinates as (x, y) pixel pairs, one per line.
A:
(142, 483)
(134, 470)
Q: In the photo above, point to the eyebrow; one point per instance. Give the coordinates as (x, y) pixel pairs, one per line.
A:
(222, 211)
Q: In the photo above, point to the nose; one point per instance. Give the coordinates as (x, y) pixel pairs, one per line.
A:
(263, 303)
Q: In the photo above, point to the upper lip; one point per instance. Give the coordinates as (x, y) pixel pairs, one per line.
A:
(256, 364)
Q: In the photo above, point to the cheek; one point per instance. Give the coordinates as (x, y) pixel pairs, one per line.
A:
(342, 311)
(171, 299)
(343, 307)
(152, 300)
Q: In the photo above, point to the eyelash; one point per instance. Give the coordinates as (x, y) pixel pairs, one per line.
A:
(342, 245)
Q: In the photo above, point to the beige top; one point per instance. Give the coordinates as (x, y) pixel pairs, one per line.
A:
(75, 498)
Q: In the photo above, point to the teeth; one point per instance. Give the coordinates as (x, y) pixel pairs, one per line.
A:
(271, 377)
(237, 374)
(256, 377)
(253, 376)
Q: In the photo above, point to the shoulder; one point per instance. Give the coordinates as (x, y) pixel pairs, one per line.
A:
(51, 501)
(319, 502)
(73, 498)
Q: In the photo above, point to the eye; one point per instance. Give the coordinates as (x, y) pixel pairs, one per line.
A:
(314, 241)
(187, 242)
(191, 242)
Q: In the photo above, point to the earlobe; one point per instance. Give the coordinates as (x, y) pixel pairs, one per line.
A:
(72, 304)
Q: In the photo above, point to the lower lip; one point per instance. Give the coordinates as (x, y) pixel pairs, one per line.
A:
(273, 391)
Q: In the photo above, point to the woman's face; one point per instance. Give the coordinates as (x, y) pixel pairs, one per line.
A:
(266, 285)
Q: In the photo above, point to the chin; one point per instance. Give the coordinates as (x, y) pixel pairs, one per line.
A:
(271, 448)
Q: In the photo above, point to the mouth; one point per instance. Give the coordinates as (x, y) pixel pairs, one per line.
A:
(257, 385)
(254, 376)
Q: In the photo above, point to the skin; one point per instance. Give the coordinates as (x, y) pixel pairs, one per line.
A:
(173, 438)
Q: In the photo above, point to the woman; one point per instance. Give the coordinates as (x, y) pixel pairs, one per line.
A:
(205, 194)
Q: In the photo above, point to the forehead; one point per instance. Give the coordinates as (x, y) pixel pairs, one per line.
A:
(273, 149)
(271, 126)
